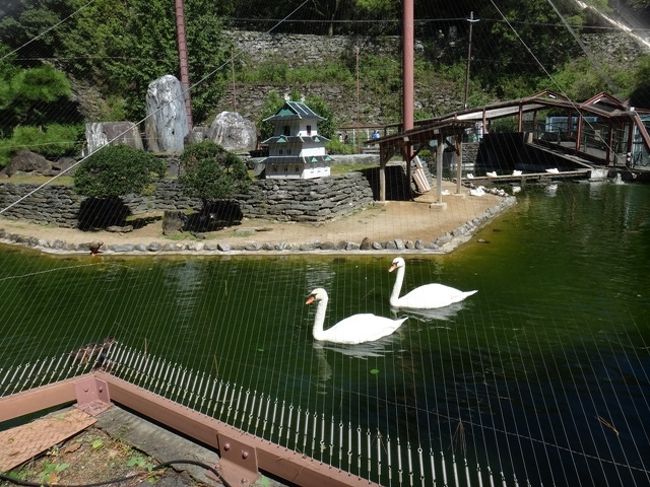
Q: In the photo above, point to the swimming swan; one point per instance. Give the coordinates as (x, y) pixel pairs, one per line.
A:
(354, 329)
(424, 297)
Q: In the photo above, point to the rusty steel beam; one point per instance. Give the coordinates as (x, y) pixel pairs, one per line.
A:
(274, 459)
(34, 400)
(242, 453)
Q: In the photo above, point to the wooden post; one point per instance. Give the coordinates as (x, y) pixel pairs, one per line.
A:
(439, 163)
(579, 131)
(610, 142)
(630, 138)
(459, 161)
(407, 154)
(383, 153)
(485, 130)
(182, 56)
(520, 119)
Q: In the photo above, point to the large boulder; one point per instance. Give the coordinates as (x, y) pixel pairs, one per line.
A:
(25, 161)
(233, 132)
(166, 125)
(99, 134)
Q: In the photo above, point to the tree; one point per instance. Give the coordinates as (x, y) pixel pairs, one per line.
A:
(106, 176)
(133, 43)
(117, 170)
(211, 173)
(36, 96)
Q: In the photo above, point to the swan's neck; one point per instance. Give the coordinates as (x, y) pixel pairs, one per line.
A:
(319, 319)
(394, 297)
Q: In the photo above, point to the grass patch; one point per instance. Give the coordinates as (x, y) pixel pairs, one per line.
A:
(38, 180)
(338, 169)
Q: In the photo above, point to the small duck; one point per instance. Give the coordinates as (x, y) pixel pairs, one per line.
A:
(480, 191)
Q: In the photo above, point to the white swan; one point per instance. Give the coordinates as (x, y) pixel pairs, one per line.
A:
(491, 174)
(516, 172)
(553, 170)
(424, 297)
(358, 328)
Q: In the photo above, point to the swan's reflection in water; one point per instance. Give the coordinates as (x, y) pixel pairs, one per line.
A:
(362, 351)
(441, 314)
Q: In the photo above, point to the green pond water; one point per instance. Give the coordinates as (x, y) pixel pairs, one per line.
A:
(544, 372)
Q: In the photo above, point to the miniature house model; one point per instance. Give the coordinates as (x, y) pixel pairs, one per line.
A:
(296, 151)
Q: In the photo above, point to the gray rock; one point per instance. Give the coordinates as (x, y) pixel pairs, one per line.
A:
(306, 247)
(121, 248)
(233, 132)
(166, 124)
(211, 247)
(399, 244)
(154, 247)
(140, 248)
(99, 134)
(173, 222)
(419, 244)
(341, 245)
(252, 246)
(118, 229)
(327, 245)
(366, 244)
(352, 246)
(223, 247)
(27, 161)
(377, 246)
(390, 245)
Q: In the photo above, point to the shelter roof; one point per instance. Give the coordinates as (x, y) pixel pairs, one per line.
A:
(602, 105)
(424, 133)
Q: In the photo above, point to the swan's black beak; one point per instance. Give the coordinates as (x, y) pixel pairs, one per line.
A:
(310, 299)
(392, 268)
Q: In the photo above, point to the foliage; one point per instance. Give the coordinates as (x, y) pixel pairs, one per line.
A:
(121, 47)
(640, 94)
(52, 141)
(117, 170)
(35, 95)
(579, 79)
(209, 172)
(538, 27)
(335, 146)
(279, 72)
(381, 76)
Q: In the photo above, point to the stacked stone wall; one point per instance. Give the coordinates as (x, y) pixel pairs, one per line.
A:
(283, 200)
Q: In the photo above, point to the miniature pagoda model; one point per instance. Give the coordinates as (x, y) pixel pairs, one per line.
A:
(296, 151)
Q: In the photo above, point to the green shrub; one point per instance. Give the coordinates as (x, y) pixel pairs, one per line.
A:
(117, 170)
(210, 173)
(334, 146)
(52, 142)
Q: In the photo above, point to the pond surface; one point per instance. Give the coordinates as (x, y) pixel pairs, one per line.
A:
(544, 372)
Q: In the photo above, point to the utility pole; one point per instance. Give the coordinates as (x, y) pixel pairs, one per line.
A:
(408, 45)
(182, 56)
(471, 21)
(234, 81)
(356, 52)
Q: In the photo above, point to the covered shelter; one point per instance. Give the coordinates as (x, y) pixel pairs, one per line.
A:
(410, 142)
(596, 129)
